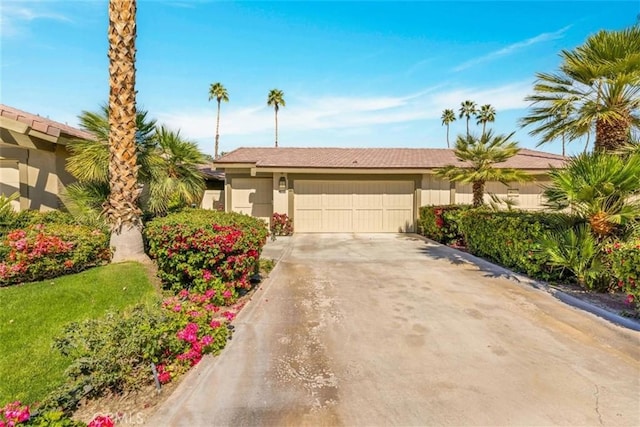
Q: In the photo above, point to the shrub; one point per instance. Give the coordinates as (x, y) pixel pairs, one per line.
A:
(440, 223)
(512, 239)
(624, 261)
(196, 244)
(17, 414)
(115, 353)
(47, 250)
(281, 225)
(576, 249)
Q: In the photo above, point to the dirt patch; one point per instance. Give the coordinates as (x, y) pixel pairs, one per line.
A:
(614, 302)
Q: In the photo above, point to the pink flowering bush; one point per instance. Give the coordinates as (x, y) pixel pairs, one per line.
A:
(624, 261)
(194, 243)
(281, 225)
(42, 251)
(14, 414)
(114, 353)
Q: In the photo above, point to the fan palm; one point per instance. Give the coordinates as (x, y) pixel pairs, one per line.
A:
(602, 188)
(480, 156)
(600, 81)
(467, 109)
(167, 165)
(175, 178)
(218, 92)
(276, 100)
(448, 117)
(485, 115)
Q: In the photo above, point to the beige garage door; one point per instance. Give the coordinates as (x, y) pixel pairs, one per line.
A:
(10, 180)
(353, 206)
(252, 196)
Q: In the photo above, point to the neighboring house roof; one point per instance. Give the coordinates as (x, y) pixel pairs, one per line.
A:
(41, 124)
(211, 174)
(373, 158)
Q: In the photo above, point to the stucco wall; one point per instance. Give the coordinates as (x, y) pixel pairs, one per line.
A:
(42, 175)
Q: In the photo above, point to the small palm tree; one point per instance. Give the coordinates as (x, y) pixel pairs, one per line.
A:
(448, 117)
(275, 99)
(467, 109)
(176, 180)
(485, 115)
(600, 81)
(603, 188)
(167, 166)
(480, 157)
(218, 92)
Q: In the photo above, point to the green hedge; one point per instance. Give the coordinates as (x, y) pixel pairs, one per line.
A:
(512, 239)
(624, 261)
(440, 223)
(198, 247)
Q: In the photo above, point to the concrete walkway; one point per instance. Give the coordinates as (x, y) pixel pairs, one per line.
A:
(391, 330)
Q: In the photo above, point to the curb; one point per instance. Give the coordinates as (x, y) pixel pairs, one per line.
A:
(521, 279)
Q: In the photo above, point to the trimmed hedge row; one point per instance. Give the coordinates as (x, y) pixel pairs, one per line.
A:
(512, 239)
(440, 223)
(198, 248)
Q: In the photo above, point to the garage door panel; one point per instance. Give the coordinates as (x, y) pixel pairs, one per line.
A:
(398, 220)
(368, 220)
(353, 206)
(309, 220)
(338, 220)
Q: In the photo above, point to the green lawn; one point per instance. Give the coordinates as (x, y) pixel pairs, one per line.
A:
(31, 315)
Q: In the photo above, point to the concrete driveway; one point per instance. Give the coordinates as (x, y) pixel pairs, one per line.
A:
(392, 330)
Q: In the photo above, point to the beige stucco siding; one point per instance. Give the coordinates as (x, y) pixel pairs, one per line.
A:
(252, 196)
(525, 195)
(42, 176)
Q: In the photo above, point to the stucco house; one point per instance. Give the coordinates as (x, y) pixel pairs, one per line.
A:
(360, 189)
(33, 154)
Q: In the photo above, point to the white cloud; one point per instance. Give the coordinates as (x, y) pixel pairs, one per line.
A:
(540, 38)
(15, 17)
(342, 113)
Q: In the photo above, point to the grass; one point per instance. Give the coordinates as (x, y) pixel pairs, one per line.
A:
(33, 314)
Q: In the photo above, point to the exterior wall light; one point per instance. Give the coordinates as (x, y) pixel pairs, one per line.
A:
(282, 184)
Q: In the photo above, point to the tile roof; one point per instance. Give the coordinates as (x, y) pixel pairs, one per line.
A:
(210, 173)
(41, 124)
(373, 158)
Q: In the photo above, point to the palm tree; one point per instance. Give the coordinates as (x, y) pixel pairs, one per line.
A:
(167, 166)
(603, 188)
(275, 99)
(467, 109)
(219, 93)
(448, 117)
(600, 80)
(121, 209)
(176, 180)
(480, 156)
(486, 114)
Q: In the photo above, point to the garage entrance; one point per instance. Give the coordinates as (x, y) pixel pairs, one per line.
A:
(353, 206)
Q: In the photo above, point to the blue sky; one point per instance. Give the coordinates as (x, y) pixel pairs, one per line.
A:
(354, 74)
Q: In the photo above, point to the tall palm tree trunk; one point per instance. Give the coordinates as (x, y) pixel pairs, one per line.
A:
(478, 193)
(484, 127)
(216, 146)
(121, 208)
(563, 144)
(448, 145)
(276, 128)
(467, 126)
